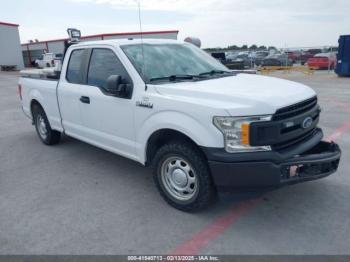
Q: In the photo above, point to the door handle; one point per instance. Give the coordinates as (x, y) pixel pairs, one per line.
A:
(85, 99)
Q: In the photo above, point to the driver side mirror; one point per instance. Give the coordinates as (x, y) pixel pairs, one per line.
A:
(116, 87)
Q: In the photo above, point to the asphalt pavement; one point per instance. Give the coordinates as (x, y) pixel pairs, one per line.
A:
(74, 198)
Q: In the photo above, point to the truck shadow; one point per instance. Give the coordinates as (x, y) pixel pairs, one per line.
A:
(129, 174)
(133, 174)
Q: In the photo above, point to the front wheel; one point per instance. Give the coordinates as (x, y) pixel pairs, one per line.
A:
(43, 128)
(182, 177)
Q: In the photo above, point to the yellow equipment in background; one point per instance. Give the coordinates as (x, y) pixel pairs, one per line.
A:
(268, 69)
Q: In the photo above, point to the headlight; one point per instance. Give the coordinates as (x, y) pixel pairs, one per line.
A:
(236, 133)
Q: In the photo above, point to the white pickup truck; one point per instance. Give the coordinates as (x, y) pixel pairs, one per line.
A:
(169, 105)
(48, 60)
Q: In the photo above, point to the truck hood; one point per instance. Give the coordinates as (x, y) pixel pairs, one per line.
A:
(240, 95)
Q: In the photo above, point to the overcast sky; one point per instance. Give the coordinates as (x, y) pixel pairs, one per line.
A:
(282, 23)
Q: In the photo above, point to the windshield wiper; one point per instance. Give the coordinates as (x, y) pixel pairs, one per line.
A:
(215, 72)
(173, 78)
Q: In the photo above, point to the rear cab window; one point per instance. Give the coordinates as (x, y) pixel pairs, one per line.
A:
(75, 69)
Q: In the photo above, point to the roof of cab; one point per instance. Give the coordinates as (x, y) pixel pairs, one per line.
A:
(120, 42)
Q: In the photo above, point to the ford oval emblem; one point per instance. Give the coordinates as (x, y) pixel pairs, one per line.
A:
(307, 123)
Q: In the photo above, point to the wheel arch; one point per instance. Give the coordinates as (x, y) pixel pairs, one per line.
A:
(165, 135)
(179, 125)
(34, 102)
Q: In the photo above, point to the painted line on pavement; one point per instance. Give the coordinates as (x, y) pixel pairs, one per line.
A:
(345, 127)
(212, 231)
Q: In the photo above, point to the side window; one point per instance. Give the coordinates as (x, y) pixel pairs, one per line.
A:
(103, 64)
(75, 73)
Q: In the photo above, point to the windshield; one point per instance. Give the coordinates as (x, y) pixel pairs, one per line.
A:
(167, 61)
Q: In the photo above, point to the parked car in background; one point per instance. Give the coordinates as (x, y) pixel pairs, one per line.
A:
(221, 56)
(258, 56)
(245, 58)
(231, 55)
(48, 60)
(241, 59)
(229, 63)
(234, 65)
(306, 55)
(294, 55)
(322, 61)
(279, 59)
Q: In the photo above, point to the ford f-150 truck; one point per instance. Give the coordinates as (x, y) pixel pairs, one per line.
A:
(169, 105)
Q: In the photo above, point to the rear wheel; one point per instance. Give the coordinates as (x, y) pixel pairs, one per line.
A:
(43, 128)
(182, 177)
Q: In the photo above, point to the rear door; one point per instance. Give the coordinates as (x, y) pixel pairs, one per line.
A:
(108, 120)
(70, 92)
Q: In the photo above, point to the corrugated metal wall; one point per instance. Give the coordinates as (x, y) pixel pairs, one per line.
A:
(10, 47)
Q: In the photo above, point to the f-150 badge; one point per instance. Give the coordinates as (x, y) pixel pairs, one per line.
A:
(145, 103)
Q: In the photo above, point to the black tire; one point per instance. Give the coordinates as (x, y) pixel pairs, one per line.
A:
(48, 65)
(205, 190)
(52, 137)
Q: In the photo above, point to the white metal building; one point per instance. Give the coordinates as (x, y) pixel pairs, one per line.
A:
(10, 47)
(33, 51)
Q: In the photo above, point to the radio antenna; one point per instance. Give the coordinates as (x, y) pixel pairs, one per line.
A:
(142, 50)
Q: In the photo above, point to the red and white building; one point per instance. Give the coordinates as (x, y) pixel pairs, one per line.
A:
(33, 51)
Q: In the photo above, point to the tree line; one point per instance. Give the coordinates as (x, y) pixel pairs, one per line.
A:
(243, 47)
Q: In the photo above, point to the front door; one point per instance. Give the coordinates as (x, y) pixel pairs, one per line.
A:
(108, 120)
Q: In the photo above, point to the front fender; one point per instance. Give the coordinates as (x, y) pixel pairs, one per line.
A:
(203, 134)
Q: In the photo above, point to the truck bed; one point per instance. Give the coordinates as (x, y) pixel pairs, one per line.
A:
(40, 86)
(46, 73)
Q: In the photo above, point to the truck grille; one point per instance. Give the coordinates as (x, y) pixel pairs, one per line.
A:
(294, 110)
(294, 141)
(286, 127)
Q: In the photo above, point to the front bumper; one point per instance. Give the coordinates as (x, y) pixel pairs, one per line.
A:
(311, 160)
